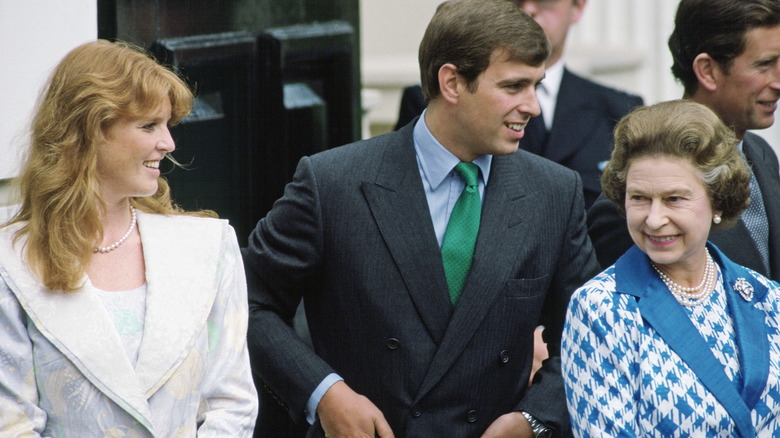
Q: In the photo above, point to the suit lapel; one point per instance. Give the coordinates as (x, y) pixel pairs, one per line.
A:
(769, 182)
(180, 295)
(500, 229)
(750, 327)
(399, 207)
(78, 325)
(667, 317)
(573, 122)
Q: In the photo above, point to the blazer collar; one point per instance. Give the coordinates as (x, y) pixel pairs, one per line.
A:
(179, 300)
(435, 160)
(181, 293)
(399, 207)
(634, 276)
(767, 177)
(78, 325)
(574, 119)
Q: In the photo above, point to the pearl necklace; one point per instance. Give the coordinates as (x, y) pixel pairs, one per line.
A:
(113, 246)
(692, 296)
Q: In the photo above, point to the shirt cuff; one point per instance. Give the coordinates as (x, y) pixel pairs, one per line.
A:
(316, 396)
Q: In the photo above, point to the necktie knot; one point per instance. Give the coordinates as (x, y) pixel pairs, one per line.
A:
(469, 172)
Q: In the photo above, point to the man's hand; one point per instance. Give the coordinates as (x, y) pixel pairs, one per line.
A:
(346, 414)
(511, 425)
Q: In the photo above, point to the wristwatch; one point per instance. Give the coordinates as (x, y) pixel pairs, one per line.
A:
(539, 429)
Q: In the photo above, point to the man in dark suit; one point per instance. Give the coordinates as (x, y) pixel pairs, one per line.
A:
(403, 344)
(727, 56)
(578, 135)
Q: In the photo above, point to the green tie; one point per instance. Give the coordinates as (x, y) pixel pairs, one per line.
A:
(457, 249)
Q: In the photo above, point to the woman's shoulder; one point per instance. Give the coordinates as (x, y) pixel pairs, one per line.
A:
(600, 292)
(8, 240)
(10, 229)
(183, 220)
(772, 287)
(184, 228)
(602, 284)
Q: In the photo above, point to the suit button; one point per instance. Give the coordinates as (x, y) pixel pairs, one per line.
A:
(416, 412)
(471, 416)
(503, 356)
(393, 344)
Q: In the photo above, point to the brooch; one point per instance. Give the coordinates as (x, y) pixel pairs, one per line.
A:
(744, 288)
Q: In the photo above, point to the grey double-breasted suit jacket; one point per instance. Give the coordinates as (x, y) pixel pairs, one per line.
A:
(352, 236)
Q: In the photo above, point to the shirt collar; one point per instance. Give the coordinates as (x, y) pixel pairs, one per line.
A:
(436, 161)
(553, 76)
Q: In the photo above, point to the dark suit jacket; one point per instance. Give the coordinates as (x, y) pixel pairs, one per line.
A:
(609, 233)
(581, 135)
(412, 105)
(353, 236)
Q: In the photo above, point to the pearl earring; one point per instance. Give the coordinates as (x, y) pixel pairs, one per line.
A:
(716, 219)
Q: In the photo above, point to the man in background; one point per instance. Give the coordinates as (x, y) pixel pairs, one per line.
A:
(419, 258)
(726, 54)
(578, 115)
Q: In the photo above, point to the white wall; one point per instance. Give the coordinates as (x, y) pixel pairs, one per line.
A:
(35, 34)
(390, 32)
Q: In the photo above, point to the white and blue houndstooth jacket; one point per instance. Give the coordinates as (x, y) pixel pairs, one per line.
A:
(637, 363)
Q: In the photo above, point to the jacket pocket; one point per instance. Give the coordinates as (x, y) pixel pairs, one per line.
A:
(527, 287)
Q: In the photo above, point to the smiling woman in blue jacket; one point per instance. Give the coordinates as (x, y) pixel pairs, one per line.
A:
(674, 339)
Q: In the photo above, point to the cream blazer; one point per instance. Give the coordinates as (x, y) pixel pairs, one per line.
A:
(64, 371)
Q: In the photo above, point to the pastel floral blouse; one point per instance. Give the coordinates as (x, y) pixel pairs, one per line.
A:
(64, 371)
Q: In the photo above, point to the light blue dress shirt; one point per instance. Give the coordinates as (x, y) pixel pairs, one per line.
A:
(442, 189)
(441, 183)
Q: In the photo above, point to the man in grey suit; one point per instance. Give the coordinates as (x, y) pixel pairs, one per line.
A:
(578, 115)
(400, 348)
(727, 55)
